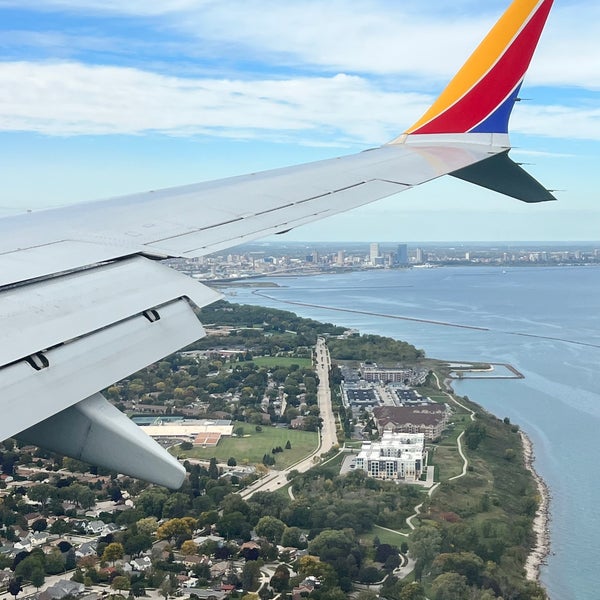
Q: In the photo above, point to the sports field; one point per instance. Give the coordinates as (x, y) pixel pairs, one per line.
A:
(251, 448)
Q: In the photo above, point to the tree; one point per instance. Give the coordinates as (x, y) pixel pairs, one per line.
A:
(55, 562)
(14, 586)
(288, 445)
(28, 565)
(449, 586)
(250, 575)
(37, 577)
(474, 435)
(391, 562)
(40, 525)
(43, 493)
(383, 551)
(270, 528)
(467, 564)
(151, 501)
(280, 579)
(189, 548)
(369, 574)
(213, 469)
(292, 537)
(412, 591)
(425, 544)
(176, 527)
(120, 583)
(136, 543)
(309, 565)
(167, 587)
(148, 525)
(231, 462)
(113, 552)
(331, 544)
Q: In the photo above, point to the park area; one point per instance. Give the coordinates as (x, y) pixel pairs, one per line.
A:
(250, 447)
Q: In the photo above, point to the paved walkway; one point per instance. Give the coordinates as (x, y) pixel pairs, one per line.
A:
(462, 433)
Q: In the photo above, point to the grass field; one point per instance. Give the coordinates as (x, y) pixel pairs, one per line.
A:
(281, 361)
(385, 536)
(251, 448)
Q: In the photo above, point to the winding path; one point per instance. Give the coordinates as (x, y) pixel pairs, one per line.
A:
(462, 433)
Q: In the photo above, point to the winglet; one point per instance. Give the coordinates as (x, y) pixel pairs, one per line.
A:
(481, 96)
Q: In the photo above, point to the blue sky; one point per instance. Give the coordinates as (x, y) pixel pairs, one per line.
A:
(107, 97)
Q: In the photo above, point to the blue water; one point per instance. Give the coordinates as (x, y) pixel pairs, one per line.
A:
(558, 402)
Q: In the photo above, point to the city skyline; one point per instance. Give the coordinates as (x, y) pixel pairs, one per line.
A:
(107, 98)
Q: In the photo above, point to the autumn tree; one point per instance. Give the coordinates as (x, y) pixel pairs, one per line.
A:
(176, 527)
(113, 552)
(189, 548)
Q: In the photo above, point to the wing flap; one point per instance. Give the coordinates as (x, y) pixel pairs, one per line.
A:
(25, 264)
(69, 372)
(46, 313)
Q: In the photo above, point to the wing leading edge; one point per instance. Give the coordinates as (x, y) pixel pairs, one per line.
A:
(83, 302)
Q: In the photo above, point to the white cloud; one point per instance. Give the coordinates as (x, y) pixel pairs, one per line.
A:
(70, 98)
(380, 37)
(73, 99)
(558, 121)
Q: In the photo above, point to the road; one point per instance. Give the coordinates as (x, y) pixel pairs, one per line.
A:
(328, 429)
(327, 435)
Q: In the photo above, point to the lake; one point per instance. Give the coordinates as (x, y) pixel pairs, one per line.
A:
(543, 321)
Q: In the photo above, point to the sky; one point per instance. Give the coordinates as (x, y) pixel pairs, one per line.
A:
(101, 98)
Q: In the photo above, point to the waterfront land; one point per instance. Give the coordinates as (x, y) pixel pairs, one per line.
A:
(474, 526)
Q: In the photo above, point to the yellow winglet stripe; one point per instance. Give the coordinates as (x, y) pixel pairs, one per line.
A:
(482, 60)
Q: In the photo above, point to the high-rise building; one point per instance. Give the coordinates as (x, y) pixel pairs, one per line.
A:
(402, 254)
(340, 258)
(419, 256)
(373, 252)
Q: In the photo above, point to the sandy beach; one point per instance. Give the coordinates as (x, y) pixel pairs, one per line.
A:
(541, 547)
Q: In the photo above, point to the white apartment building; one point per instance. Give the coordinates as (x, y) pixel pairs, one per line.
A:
(396, 456)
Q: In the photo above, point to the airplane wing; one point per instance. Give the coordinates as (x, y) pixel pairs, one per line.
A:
(84, 301)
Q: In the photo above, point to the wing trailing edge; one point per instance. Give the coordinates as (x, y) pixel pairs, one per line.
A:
(501, 174)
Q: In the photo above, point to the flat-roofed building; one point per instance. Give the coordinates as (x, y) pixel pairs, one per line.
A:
(429, 419)
(203, 432)
(396, 456)
(373, 372)
(360, 396)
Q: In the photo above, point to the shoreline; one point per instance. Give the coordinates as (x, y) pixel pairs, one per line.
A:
(541, 522)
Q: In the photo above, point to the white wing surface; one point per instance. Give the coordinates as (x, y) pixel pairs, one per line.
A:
(84, 302)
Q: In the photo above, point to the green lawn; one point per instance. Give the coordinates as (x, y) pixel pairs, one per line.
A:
(385, 536)
(251, 448)
(281, 361)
